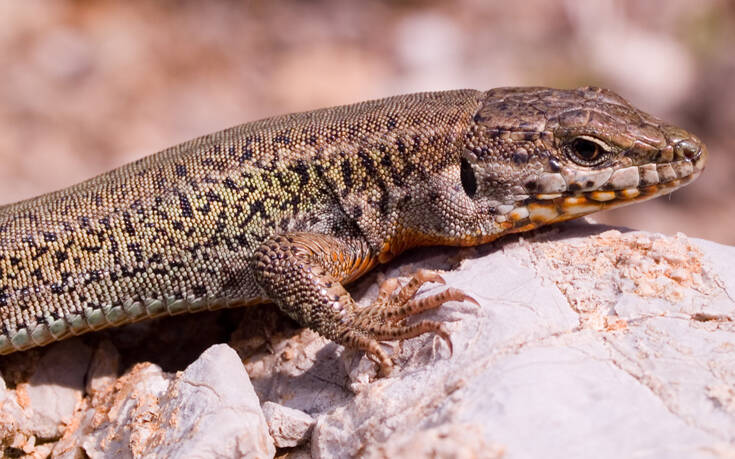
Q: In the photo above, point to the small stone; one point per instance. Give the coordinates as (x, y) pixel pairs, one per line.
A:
(210, 409)
(57, 386)
(287, 426)
(103, 368)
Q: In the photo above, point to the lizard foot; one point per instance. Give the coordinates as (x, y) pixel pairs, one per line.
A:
(302, 274)
(383, 320)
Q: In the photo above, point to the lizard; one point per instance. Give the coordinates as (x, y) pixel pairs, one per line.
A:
(292, 208)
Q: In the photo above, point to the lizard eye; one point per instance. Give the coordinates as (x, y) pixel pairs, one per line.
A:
(587, 151)
(467, 175)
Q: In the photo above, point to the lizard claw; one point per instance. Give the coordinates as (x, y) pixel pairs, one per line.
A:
(444, 334)
(384, 319)
(426, 275)
(469, 299)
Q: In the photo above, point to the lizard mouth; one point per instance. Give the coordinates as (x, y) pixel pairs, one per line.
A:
(585, 193)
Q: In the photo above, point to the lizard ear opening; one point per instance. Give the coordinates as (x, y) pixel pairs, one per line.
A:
(467, 176)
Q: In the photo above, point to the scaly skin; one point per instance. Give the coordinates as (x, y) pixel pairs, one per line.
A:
(291, 208)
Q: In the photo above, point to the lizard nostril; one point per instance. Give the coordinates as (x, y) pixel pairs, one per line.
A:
(688, 149)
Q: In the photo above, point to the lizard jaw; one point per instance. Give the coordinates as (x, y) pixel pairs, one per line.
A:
(606, 190)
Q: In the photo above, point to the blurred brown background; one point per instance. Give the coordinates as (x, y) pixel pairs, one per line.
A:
(88, 85)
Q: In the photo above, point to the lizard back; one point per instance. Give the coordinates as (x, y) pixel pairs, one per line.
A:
(174, 231)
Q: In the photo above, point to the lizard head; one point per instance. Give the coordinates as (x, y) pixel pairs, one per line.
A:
(536, 155)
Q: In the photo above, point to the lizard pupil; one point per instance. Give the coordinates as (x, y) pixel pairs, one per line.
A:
(586, 150)
(467, 176)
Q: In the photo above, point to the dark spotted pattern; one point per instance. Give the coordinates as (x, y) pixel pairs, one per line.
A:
(288, 208)
(168, 227)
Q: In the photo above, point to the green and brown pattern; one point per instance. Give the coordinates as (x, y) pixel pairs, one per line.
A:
(289, 208)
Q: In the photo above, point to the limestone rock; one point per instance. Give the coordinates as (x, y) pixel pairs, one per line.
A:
(56, 387)
(287, 426)
(589, 340)
(208, 410)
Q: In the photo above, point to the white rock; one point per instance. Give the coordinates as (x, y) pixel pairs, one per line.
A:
(103, 367)
(211, 410)
(57, 386)
(125, 424)
(564, 358)
(16, 428)
(287, 426)
(208, 410)
(448, 441)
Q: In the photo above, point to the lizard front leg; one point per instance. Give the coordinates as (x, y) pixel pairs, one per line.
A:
(303, 273)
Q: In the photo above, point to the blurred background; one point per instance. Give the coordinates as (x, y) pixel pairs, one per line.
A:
(86, 86)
